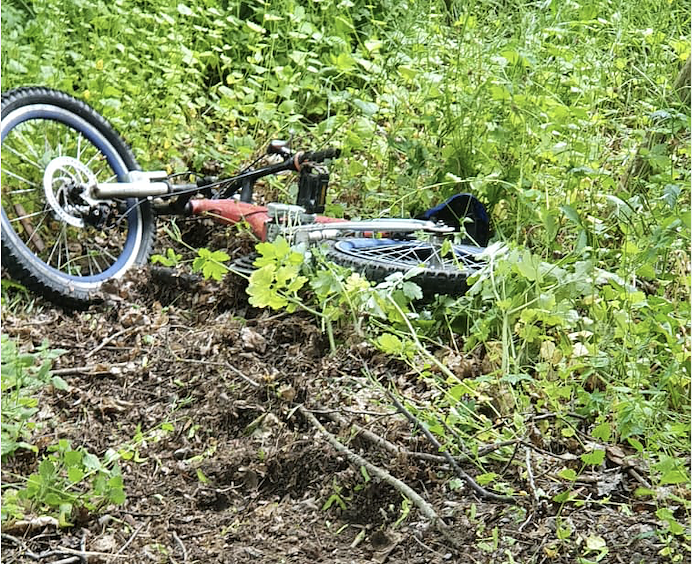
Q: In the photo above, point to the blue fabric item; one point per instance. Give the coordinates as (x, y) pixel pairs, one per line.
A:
(455, 210)
(357, 243)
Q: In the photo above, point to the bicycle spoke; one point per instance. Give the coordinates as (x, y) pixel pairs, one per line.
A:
(67, 249)
(21, 179)
(25, 216)
(28, 145)
(415, 255)
(78, 156)
(23, 157)
(110, 256)
(20, 191)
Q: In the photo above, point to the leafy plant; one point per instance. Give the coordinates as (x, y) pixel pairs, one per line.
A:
(23, 376)
(68, 482)
(170, 259)
(210, 263)
(277, 280)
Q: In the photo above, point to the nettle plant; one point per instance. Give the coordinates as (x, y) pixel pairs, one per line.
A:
(68, 482)
(338, 295)
(24, 376)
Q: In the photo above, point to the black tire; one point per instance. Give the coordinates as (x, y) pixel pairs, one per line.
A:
(378, 258)
(51, 145)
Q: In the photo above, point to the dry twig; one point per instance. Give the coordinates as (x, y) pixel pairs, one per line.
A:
(481, 491)
(397, 450)
(181, 545)
(110, 339)
(423, 506)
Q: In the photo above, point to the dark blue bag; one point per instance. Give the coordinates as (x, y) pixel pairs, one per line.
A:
(466, 210)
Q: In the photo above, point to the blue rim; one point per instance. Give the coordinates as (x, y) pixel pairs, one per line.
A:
(116, 164)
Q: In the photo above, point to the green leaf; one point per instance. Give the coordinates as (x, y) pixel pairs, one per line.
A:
(334, 498)
(254, 27)
(170, 260)
(75, 474)
(567, 474)
(59, 383)
(529, 266)
(602, 431)
(201, 477)
(373, 44)
(390, 344)
(675, 477)
(593, 458)
(91, 461)
(210, 264)
(183, 10)
(117, 496)
(487, 478)
(571, 214)
(412, 290)
(46, 470)
(325, 283)
(73, 458)
(500, 93)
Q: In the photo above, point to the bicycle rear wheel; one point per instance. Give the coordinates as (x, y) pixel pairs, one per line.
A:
(378, 258)
(56, 239)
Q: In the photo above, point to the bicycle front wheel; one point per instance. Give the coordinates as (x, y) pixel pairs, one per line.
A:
(378, 258)
(56, 239)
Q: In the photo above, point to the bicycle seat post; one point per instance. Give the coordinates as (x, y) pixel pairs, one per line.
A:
(246, 191)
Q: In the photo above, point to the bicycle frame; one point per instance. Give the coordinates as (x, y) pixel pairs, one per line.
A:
(301, 226)
(266, 222)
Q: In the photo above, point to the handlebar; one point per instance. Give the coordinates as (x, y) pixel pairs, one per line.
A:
(319, 156)
(245, 180)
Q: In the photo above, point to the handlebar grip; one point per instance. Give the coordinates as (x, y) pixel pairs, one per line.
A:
(319, 156)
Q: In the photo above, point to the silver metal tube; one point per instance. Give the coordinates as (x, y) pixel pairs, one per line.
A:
(318, 231)
(138, 189)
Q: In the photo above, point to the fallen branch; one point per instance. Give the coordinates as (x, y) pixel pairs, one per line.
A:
(70, 555)
(423, 506)
(470, 482)
(88, 370)
(222, 364)
(110, 339)
(399, 451)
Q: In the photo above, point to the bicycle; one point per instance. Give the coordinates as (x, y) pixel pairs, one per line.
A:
(77, 210)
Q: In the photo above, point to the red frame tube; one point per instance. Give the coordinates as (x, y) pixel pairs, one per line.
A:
(232, 211)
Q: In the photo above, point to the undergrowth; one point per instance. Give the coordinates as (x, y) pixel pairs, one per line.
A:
(68, 483)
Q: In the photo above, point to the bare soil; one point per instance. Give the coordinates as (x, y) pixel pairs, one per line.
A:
(243, 477)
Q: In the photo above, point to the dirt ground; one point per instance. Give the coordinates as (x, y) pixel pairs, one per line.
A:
(227, 468)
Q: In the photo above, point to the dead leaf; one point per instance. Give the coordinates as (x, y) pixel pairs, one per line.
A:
(104, 543)
(252, 341)
(287, 392)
